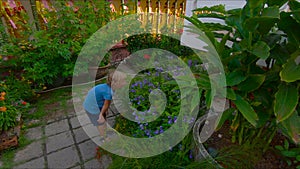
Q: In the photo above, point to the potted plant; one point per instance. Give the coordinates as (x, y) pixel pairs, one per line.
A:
(264, 99)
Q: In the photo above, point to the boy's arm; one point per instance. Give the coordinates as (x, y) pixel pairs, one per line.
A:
(104, 110)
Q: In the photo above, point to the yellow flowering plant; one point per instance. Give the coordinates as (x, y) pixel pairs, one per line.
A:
(8, 113)
(10, 109)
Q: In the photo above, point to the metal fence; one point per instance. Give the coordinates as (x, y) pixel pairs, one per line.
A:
(158, 13)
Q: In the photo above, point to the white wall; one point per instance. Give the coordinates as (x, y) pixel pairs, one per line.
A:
(189, 39)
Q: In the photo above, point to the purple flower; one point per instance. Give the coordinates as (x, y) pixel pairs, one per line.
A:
(192, 120)
(161, 129)
(132, 91)
(160, 69)
(175, 118)
(141, 127)
(190, 63)
(170, 121)
(190, 155)
(141, 85)
(156, 132)
(151, 85)
(145, 81)
(148, 133)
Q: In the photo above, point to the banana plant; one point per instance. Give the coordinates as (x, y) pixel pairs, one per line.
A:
(263, 97)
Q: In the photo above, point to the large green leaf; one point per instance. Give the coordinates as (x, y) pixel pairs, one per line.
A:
(247, 111)
(278, 3)
(289, 25)
(216, 8)
(295, 7)
(261, 50)
(286, 100)
(209, 95)
(255, 3)
(230, 94)
(235, 78)
(203, 80)
(290, 71)
(280, 54)
(225, 116)
(264, 22)
(291, 128)
(252, 8)
(252, 83)
(271, 12)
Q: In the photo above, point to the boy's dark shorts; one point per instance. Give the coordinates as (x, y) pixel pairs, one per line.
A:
(94, 118)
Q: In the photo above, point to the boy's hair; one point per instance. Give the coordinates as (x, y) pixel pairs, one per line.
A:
(114, 76)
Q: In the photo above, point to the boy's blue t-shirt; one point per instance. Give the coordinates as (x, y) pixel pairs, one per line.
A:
(95, 98)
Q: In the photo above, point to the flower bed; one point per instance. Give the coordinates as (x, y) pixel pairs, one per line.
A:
(11, 109)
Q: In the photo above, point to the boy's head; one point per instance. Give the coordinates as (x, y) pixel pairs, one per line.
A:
(116, 79)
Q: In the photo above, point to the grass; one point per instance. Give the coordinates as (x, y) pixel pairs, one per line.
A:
(7, 158)
(49, 102)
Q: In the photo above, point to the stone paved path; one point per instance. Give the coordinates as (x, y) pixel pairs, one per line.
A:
(61, 143)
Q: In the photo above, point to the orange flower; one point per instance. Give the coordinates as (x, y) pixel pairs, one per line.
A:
(2, 98)
(3, 109)
(3, 94)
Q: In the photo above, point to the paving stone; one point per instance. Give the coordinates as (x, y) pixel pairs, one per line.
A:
(65, 158)
(36, 163)
(79, 111)
(71, 114)
(93, 164)
(31, 151)
(77, 167)
(80, 135)
(34, 133)
(111, 121)
(76, 100)
(83, 119)
(91, 130)
(59, 141)
(88, 149)
(56, 127)
(74, 122)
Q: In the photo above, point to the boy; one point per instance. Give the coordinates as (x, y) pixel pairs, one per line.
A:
(99, 98)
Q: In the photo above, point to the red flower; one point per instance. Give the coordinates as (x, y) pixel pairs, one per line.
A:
(180, 31)
(24, 103)
(146, 56)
